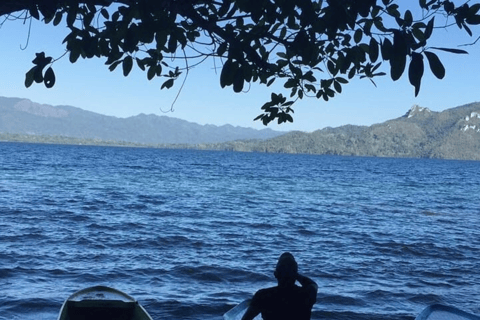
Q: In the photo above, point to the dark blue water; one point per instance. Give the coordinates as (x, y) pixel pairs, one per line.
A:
(192, 233)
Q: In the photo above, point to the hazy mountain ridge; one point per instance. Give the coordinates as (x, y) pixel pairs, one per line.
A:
(420, 133)
(22, 116)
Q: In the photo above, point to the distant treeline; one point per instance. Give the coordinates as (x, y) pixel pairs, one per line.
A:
(27, 138)
(44, 139)
(421, 133)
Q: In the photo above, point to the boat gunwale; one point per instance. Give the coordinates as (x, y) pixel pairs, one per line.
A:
(81, 298)
(425, 314)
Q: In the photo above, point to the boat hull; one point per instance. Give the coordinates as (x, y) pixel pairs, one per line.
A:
(441, 312)
(102, 303)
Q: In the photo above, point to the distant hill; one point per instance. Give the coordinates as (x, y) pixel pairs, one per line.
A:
(420, 133)
(22, 116)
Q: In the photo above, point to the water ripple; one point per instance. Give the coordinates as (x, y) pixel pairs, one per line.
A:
(192, 233)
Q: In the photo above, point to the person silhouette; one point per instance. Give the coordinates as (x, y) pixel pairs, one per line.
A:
(286, 301)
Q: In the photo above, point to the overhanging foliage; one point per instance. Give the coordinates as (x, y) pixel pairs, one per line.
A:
(313, 47)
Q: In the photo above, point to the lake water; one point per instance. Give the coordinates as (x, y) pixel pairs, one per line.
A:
(192, 233)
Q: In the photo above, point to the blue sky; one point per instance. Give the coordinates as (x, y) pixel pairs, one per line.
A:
(89, 85)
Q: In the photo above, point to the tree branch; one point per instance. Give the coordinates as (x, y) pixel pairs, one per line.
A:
(11, 6)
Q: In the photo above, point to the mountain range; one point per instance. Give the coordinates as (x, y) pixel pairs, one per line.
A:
(22, 116)
(420, 133)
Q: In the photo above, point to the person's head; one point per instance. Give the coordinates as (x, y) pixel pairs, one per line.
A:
(286, 270)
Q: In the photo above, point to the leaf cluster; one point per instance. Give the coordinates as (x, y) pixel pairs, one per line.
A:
(36, 73)
(313, 47)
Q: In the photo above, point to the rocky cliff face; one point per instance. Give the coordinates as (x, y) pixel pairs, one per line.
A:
(417, 111)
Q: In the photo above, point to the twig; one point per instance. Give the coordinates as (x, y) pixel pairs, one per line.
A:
(470, 44)
(28, 36)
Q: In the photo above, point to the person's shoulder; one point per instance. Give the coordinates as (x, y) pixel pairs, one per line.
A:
(265, 292)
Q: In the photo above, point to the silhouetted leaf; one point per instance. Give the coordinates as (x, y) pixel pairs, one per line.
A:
(337, 86)
(457, 51)
(415, 71)
(152, 72)
(386, 49)
(373, 50)
(127, 65)
(40, 59)
(167, 84)
(473, 20)
(474, 9)
(400, 43)
(105, 13)
(238, 80)
(172, 43)
(29, 77)
(397, 66)
(49, 78)
(341, 80)
(114, 65)
(34, 11)
(467, 29)
(57, 19)
(408, 18)
(429, 29)
(331, 67)
(357, 36)
(310, 87)
(379, 24)
(351, 73)
(222, 48)
(71, 15)
(435, 65)
(74, 55)
(330, 92)
(247, 72)
(140, 63)
(418, 34)
(398, 59)
(227, 74)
